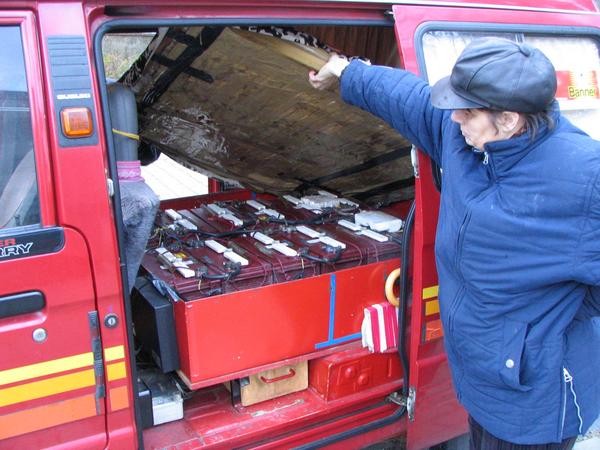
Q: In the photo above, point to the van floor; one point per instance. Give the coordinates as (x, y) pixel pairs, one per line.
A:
(211, 421)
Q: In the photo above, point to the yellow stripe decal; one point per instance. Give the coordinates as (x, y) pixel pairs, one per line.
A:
(116, 371)
(45, 388)
(430, 292)
(114, 353)
(46, 368)
(432, 307)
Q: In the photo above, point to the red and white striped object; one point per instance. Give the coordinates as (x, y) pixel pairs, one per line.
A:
(380, 327)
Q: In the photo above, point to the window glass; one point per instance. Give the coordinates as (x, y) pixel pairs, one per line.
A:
(577, 64)
(575, 58)
(19, 199)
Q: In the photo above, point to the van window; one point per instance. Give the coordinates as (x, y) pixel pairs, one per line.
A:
(575, 58)
(19, 199)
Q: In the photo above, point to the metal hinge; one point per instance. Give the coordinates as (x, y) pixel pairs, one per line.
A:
(110, 186)
(94, 324)
(408, 402)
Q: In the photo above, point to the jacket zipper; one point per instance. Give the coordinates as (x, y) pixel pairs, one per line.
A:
(461, 234)
(568, 380)
(564, 403)
(461, 231)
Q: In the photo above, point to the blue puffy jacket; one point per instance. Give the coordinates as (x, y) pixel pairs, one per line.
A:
(518, 259)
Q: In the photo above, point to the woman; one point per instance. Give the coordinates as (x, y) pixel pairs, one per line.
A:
(518, 238)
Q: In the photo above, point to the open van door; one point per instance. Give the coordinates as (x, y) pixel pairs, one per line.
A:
(51, 388)
(430, 38)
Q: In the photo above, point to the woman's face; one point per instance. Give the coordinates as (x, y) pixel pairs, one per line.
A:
(477, 126)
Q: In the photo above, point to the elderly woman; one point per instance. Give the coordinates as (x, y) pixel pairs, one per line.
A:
(518, 238)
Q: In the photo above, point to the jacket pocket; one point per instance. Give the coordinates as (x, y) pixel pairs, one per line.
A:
(514, 333)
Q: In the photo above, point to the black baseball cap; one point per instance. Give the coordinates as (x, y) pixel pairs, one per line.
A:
(498, 74)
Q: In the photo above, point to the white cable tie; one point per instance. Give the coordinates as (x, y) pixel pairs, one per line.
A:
(216, 209)
(215, 246)
(327, 194)
(345, 201)
(180, 263)
(350, 225)
(331, 242)
(185, 272)
(308, 231)
(233, 219)
(233, 256)
(283, 249)
(187, 224)
(168, 258)
(294, 200)
(173, 214)
(271, 213)
(374, 235)
(311, 208)
(267, 240)
(256, 205)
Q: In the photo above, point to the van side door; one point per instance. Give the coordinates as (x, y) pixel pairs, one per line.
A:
(430, 38)
(51, 390)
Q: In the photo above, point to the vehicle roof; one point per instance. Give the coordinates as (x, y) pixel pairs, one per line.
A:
(567, 5)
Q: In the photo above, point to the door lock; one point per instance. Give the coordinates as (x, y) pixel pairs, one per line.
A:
(111, 320)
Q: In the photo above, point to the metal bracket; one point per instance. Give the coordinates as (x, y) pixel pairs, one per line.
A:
(408, 402)
(110, 187)
(96, 343)
(414, 159)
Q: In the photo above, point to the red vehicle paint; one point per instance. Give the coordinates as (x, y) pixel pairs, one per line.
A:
(67, 375)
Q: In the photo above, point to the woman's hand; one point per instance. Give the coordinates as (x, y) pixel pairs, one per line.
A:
(329, 73)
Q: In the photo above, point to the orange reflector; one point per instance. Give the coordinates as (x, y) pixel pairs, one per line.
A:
(76, 122)
(433, 330)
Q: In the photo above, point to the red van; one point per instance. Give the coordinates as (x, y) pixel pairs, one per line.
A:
(294, 305)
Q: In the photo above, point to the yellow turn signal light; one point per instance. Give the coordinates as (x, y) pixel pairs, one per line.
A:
(76, 122)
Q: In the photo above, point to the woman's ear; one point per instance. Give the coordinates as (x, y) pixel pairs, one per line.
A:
(510, 122)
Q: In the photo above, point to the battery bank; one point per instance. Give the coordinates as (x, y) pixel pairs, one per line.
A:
(223, 219)
(371, 245)
(286, 265)
(328, 255)
(232, 246)
(205, 278)
(205, 263)
(230, 255)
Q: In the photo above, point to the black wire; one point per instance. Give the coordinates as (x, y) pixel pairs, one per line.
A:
(333, 259)
(235, 232)
(404, 283)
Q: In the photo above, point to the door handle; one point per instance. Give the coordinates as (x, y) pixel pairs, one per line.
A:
(23, 303)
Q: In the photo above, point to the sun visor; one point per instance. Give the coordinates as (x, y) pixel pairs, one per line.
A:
(236, 104)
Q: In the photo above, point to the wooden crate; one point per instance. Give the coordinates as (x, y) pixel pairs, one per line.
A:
(274, 383)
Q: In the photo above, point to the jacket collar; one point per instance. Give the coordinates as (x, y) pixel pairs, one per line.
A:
(506, 153)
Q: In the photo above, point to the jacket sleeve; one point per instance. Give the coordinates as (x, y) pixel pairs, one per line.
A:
(587, 261)
(401, 99)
